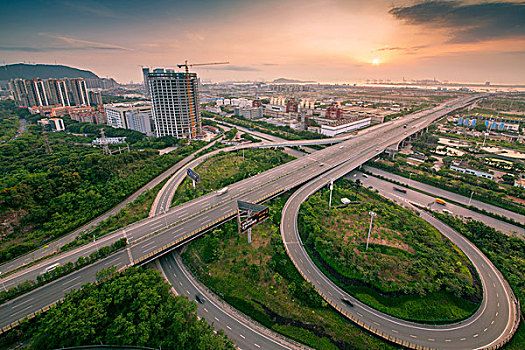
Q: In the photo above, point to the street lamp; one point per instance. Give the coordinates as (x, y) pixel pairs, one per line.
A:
(409, 179)
(470, 199)
(372, 214)
(331, 189)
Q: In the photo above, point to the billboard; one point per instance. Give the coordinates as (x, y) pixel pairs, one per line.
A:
(193, 175)
(251, 214)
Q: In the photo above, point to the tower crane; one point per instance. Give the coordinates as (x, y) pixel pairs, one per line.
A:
(190, 97)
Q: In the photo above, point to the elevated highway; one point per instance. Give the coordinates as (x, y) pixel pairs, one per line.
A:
(157, 236)
(491, 326)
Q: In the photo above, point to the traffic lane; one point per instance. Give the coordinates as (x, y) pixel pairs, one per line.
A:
(387, 190)
(244, 336)
(448, 195)
(331, 155)
(402, 330)
(289, 235)
(41, 297)
(330, 151)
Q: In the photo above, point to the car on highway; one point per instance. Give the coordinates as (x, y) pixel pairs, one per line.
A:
(440, 201)
(49, 268)
(199, 299)
(222, 191)
(364, 175)
(400, 189)
(347, 302)
(446, 211)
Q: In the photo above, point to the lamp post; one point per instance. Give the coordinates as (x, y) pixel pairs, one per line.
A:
(470, 199)
(409, 179)
(331, 189)
(372, 214)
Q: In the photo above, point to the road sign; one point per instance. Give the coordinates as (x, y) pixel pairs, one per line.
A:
(193, 175)
(251, 214)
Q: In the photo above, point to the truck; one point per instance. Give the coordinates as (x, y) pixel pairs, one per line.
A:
(222, 191)
(440, 201)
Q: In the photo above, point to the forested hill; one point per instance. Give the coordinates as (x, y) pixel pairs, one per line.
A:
(42, 71)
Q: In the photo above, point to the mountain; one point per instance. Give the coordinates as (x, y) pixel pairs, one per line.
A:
(43, 71)
(291, 81)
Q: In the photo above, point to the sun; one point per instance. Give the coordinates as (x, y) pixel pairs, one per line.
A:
(376, 62)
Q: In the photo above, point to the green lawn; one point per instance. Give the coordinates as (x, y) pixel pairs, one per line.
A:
(260, 280)
(409, 270)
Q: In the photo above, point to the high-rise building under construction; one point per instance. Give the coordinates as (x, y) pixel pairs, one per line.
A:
(175, 103)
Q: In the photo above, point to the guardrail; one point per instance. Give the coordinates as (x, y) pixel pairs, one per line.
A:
(175, 244)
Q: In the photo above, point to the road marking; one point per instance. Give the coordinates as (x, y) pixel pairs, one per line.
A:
(498, 304)
(360, 315)
(448, 340)
(229, 328)
(150, 243)
(28, 300)
(257, 345)
(492, 322)
(242, 336)
(497, 313)
(216, 319)
(431, 339)
(463, 339)
(485, 330)
(180, 283)
(205, 309)
(377, 324)
(187, 291)
(497, 295)
(475, 335)
(412, 336)
(393, 330)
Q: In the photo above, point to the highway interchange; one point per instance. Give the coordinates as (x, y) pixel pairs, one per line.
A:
(195, 217)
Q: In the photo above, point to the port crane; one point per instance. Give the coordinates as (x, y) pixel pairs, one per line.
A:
(188, 87)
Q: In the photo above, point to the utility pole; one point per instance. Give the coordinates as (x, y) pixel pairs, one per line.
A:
(372, 214)
(470, 199)
(331, 189)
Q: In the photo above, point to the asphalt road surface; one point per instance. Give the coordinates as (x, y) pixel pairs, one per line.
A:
(447, 194)
(155, 236)
(220, 315)
(492, 324)
(386, 189)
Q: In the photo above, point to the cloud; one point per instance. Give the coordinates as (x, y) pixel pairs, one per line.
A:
(231, 68)
(79, 44)
(403, 49)
(467, 23)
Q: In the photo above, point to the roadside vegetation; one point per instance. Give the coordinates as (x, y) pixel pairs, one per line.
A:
(226, 168)
(485, 190)
(60, 271)
(46, 195)
(507, 254)
(260, 280)
(134, 307)
(284, 132)
(410, 269)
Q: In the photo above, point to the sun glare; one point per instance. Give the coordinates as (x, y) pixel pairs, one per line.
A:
(376, 61)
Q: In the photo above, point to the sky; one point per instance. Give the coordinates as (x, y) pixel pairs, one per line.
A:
(319, 40)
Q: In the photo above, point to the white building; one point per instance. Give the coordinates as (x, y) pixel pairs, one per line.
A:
(139, 119)
(466, 169)
(175, 102)
(343, 127)
(249, 112)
